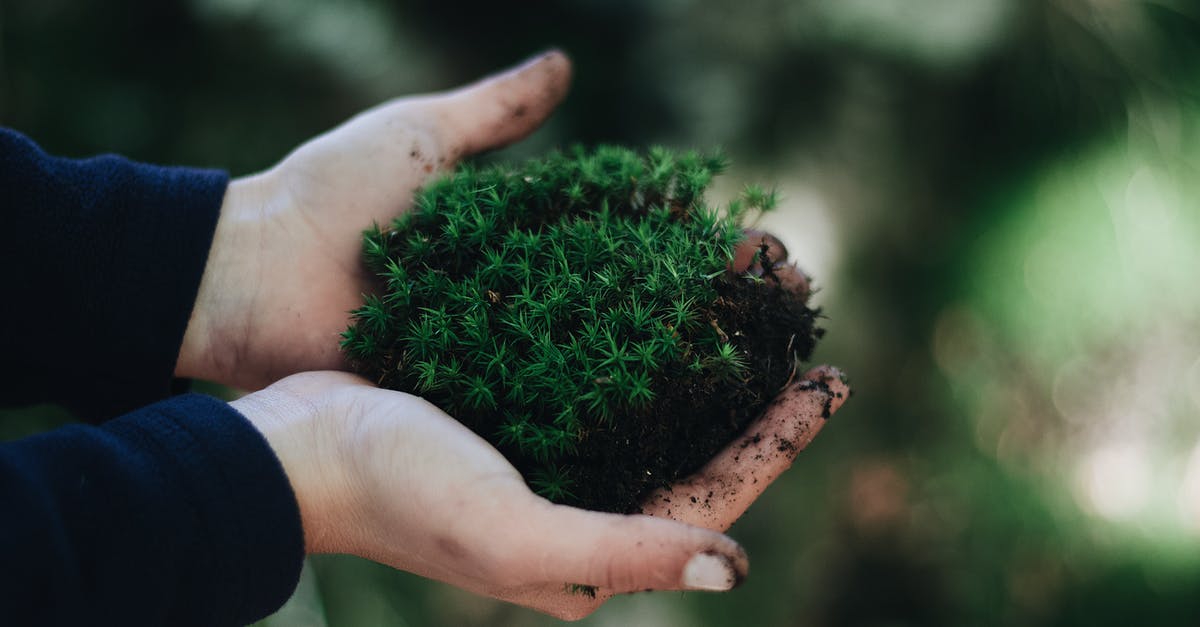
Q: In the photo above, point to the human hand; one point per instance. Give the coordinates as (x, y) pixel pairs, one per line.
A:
(284, 270)
(387, 476)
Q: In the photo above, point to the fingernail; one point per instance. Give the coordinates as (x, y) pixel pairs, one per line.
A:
(709, 571)
(835, 373)
(832, 382)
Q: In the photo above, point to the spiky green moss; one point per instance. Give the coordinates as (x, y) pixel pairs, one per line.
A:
(547, 304)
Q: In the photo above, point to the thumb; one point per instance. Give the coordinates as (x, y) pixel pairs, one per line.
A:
(720, 492)
(502, 108)
(625, 553)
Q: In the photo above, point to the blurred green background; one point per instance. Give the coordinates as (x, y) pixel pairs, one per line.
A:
(999, 199)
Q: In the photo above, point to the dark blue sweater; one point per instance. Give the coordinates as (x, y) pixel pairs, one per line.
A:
(177, 513)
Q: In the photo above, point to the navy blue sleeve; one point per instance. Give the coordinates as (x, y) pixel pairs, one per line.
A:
(102, 262)
(175, 514)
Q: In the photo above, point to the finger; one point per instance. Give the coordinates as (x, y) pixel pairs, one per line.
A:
(750, 255)
(616, 554)
(717, 495)
(792, 279)
(502, 108)
(562, 545)
(745, 256)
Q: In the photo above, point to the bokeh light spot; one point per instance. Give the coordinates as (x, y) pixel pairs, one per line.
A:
(1114, 481)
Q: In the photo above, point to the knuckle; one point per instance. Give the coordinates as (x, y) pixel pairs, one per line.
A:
(610, 569)
(600, 569)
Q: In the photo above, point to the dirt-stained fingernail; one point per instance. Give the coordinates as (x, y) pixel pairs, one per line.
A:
(709, 571)
(831, 382)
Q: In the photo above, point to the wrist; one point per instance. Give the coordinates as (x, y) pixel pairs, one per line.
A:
(311, 461)
(219, 325)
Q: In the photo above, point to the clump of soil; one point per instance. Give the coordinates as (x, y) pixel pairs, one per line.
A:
(579, 312)
(697, 417)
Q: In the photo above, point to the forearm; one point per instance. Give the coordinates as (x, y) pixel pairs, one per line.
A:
(176, 514)
(103, 258)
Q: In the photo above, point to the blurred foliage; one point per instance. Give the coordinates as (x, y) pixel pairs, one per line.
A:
(999, 198)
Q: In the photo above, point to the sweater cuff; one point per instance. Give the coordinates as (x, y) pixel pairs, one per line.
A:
(146, 308)
(249, 542)
(111, 253)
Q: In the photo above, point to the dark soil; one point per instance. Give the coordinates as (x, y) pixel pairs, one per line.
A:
(693, 419)
(584, 429)
(693, 416)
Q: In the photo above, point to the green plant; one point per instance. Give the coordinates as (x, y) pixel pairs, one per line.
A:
(578, 311)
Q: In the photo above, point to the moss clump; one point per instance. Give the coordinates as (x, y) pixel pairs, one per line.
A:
(577, 311)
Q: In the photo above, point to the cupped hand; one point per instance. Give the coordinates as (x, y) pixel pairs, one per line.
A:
(388, 476)
(285, 270)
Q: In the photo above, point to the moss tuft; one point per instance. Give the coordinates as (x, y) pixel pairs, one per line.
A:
(577, 312)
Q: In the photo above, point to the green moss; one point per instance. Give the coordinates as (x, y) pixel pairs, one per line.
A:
(548, 304)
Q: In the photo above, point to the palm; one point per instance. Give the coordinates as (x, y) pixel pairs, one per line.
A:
(448, 518)
(314, 208)
(390, 477)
